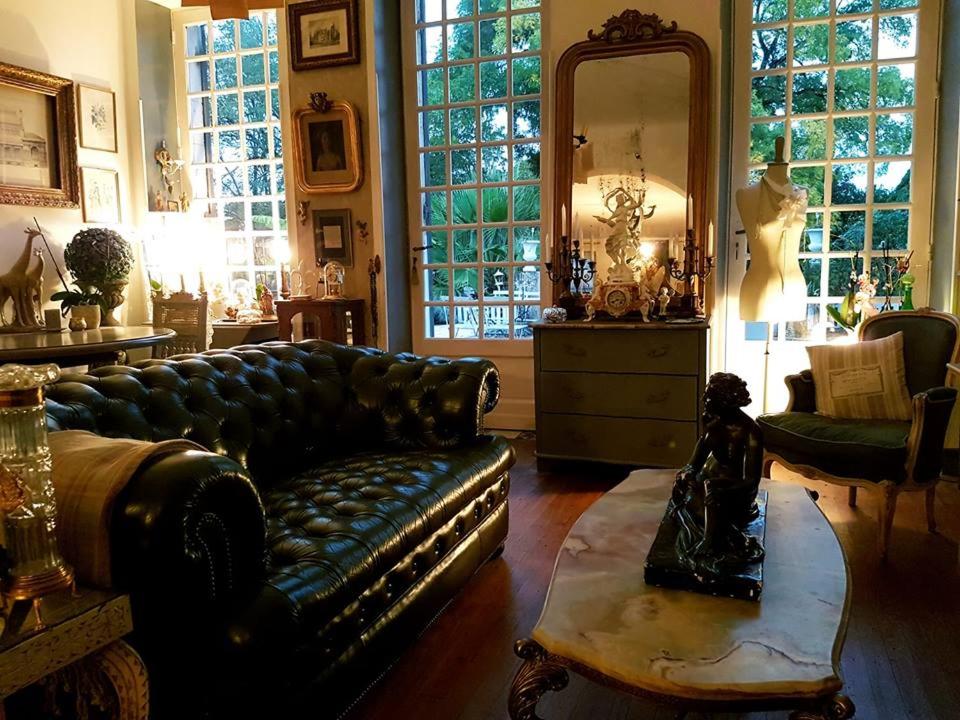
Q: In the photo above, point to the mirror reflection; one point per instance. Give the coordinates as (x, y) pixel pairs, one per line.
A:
(631, 136)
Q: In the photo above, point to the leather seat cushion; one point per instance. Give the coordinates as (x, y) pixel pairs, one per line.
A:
(335, 531)
(872, 450)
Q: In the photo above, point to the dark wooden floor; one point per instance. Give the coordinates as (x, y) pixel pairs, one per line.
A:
(901, 659)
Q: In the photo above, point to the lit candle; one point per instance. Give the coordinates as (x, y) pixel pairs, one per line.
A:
(689, 212)
(710, 239)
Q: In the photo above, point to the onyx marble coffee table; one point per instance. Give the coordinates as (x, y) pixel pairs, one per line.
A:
(695, 652)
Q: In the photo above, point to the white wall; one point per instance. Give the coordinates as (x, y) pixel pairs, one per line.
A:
(87, 42)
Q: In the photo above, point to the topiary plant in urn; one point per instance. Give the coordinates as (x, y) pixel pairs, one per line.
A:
(100, 259)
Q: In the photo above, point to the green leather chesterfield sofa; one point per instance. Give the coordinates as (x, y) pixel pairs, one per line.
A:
(347, 495)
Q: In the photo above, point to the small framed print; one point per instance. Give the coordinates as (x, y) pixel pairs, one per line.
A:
(332, 236)
(323, 33)
(100, 190)
(97, 108)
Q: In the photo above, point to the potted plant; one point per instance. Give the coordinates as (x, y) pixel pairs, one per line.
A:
(81, 304)
(100, 260)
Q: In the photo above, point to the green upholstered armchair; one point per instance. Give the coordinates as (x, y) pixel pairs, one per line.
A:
(885, 457)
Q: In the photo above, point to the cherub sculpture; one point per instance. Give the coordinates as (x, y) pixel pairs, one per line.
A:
(715, 495)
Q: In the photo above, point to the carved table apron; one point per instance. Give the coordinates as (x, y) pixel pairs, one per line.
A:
(79, 647)
(693, 651)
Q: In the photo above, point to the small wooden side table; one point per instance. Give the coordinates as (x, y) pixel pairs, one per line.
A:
(80, 645)
(332, 315)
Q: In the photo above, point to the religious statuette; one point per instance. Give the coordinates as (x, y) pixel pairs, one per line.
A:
(711, 537)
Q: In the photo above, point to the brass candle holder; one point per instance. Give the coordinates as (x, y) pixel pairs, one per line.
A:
(693, 272)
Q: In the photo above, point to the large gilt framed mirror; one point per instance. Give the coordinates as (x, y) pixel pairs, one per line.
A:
(632, 113)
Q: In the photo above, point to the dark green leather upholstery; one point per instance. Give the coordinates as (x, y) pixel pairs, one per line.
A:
(928, 343)
(348, 495)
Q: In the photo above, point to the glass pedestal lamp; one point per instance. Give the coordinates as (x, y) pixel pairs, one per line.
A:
(26, 489)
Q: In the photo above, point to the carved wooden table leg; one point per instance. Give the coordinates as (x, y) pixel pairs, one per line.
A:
(838, 707)
(114, 680)
(538, 674)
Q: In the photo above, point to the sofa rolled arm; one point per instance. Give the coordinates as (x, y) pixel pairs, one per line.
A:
(931, 417)
(405, 401)
(188, 531)
(803, 393)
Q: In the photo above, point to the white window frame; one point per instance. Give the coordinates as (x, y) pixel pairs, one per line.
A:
(201, 204)
(924, 110)
(509, 346)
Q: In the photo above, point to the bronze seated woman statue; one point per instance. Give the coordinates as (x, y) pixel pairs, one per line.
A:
(710, 539)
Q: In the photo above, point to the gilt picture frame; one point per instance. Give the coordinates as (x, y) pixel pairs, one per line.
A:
(324, 33)
(327, 152)
(39, 163)
(97, 110)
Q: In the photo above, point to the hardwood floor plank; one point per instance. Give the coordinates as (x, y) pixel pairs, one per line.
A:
(899, 661)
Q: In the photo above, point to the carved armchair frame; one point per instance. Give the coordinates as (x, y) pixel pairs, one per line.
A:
(802, 399)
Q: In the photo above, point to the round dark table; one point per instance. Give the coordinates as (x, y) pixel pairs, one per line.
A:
(88, 347)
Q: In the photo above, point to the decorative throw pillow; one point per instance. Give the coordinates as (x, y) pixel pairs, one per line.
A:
(866, 380)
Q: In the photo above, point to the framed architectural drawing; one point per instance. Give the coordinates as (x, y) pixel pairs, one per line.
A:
(323, 33)
(38, 153)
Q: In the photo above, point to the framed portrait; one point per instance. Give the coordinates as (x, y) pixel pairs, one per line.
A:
(333, 236)
(327, 149)
(38, 152)
(98, 118)
(101, 195)
(323, 33)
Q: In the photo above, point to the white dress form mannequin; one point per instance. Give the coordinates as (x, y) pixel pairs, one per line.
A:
(774, 215)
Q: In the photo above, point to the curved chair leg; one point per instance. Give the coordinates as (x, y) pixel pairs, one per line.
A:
(885, 520)
(767, 464)
(931, 511)
(852, 496)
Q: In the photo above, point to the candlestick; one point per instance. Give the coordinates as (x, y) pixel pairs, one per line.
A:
(563, 220)
(710, 239)
(689, 212)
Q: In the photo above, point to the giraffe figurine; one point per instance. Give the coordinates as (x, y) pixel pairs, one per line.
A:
(23, 288)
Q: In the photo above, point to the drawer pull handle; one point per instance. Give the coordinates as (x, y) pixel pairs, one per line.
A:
(658, 352)
(574, 351)
(659, 442)
(574, 394)
(658, 398)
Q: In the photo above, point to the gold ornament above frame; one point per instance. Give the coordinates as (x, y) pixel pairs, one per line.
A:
(39, 166)
(327, 151)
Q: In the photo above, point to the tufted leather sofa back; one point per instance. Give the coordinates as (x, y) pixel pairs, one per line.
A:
(278, 407)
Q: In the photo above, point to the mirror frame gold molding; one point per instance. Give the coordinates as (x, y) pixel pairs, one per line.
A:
(624, 35)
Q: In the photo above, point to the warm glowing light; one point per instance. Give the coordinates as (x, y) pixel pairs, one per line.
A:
(647, 250)
(282, 251)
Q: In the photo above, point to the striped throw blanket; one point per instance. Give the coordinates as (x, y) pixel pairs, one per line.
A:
(89, 471)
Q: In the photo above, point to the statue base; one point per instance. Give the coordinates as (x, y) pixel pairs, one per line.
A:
(664, 569)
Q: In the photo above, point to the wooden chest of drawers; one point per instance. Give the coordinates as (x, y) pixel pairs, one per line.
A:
(626, 393)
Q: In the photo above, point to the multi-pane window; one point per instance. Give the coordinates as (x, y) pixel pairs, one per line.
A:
(836, 79)
(478, 81)
(236, 148)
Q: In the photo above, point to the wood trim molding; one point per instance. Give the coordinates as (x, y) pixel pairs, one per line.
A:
(625, 35)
